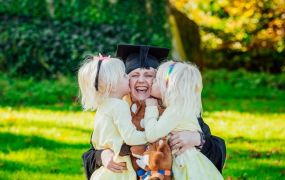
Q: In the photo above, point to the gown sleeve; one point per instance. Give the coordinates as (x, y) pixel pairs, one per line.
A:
(214, 148)
(91, 160)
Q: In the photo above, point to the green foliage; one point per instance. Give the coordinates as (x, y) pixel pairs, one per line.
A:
(42, 39)
(240, 33)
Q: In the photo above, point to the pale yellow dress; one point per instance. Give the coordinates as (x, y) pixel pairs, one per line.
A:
(191, 164)
(112, 127)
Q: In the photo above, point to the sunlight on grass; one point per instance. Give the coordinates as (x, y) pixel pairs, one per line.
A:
(45, 144)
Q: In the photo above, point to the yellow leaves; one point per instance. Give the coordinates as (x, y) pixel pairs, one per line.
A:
(248, 13)
(240, 36)
(244, 16)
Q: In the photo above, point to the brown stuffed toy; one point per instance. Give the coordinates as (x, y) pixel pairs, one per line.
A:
(159, 152)
(155, 160)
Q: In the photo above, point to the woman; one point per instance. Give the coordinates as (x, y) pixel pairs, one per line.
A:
(141, 62)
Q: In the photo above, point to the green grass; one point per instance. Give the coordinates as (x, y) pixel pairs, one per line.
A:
(43, 132)
(47, 144)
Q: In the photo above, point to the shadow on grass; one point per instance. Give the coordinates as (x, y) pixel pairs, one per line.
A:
(12, 142)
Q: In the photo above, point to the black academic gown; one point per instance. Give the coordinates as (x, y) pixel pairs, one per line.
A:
(214, 149)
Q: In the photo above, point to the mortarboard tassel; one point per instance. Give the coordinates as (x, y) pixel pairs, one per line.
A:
(143, 56)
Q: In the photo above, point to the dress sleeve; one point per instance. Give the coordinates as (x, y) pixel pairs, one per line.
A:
(128, 131)
(156, 129)
(91, 161)
(214, 148)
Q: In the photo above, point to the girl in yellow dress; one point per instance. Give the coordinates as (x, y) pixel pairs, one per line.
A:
(103, 84)
(179, 86)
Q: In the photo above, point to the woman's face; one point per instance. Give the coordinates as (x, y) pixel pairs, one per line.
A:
(141, 82)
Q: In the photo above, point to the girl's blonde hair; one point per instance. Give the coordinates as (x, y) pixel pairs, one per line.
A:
(183, 93)
(112, 70)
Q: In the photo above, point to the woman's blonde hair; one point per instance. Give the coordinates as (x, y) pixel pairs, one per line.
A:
(112, 70)
(183, 93)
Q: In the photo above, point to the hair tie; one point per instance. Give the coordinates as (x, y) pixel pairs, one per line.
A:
(101, 58)
(169, 71)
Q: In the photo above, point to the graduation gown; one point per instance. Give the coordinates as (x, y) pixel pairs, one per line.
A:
(214, 149)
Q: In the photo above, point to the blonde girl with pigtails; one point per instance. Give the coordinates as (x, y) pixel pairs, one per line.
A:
(179, 86)
(103, 84)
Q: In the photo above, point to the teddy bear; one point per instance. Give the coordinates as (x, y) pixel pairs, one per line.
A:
(159, 152)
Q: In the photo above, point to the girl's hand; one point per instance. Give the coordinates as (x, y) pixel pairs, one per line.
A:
(184, 140)
(151, 102)
(107, 161)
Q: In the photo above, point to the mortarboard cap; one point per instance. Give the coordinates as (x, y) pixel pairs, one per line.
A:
(141, 56)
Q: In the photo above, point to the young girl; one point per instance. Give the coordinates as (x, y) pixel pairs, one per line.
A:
(103, 83)
(179, 85)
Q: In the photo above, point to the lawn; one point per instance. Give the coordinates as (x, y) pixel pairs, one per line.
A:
(47, 144)
(44, 132)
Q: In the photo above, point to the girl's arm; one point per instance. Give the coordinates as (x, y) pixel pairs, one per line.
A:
(156, 129)
(128, 131)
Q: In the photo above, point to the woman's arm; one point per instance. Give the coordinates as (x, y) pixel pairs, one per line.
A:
(91, 161)
(214, 148)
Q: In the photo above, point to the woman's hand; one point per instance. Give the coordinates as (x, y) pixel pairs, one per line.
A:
(184, 140)
(107, 161)
(151, 102)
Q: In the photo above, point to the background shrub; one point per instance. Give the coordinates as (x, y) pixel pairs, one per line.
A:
(43, 40)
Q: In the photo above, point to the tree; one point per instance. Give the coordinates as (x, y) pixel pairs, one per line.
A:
(248, 32)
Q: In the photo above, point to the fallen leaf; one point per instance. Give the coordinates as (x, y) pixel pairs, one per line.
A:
(229, 178)
(275, 150)
(59, 104)
(222, 113)
(228, 157)
(262, 171)
(238, 137)
(2, 164)
(224, 166)
(282, 173)
(246, 143)
(53, 170)
(63, 137)
(255, 155)
(236, 151)
(28, 140)
(268, 154)
(251, 150)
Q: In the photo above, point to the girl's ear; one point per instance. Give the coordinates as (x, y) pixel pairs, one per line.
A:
(112, 90)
